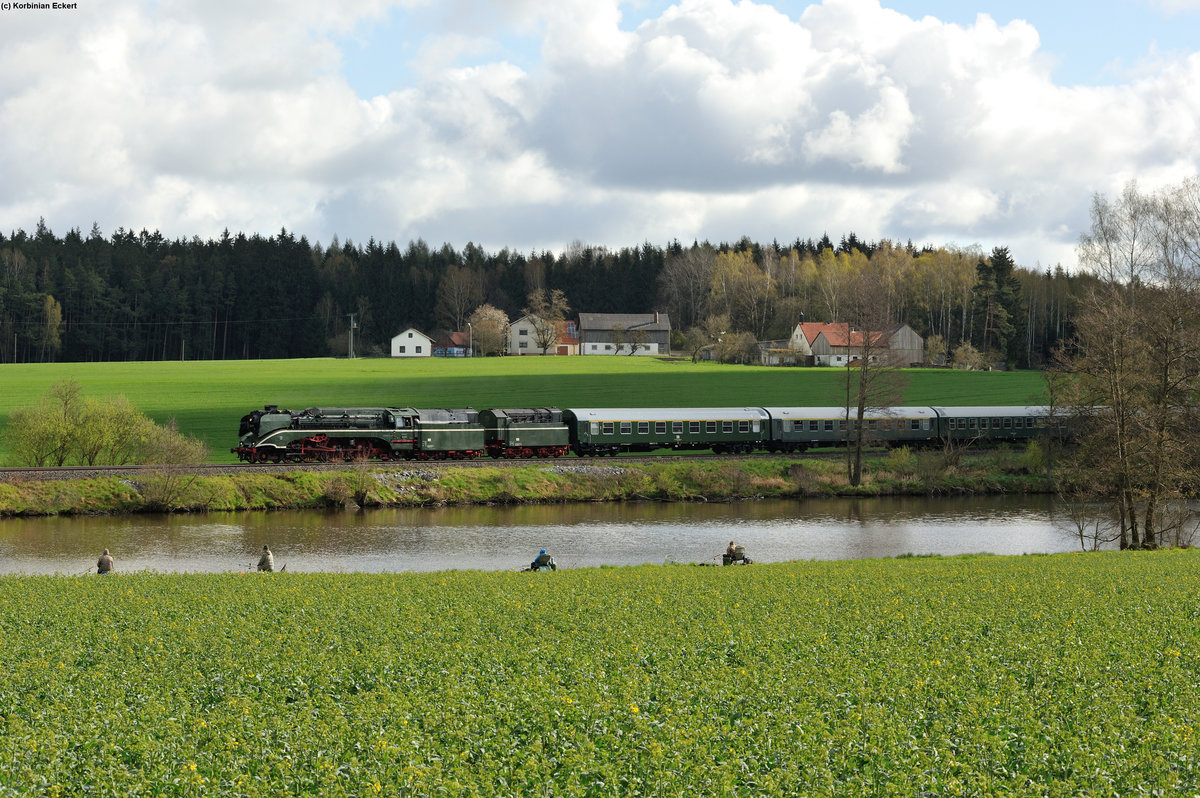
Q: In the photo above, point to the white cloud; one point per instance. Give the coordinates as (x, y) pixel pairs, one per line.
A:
(1175, 6)
(712, 120)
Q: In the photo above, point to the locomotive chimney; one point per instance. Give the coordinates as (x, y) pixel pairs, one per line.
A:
(656, 317)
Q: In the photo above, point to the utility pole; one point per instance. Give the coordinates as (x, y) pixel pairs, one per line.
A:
(352, 326)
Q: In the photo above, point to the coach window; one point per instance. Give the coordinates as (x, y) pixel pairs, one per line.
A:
(643, 428)
(995, 422)
(594, 427)
(726, 426)
(606, 427)
(786, 425)
(971, 423)
(677, 427)
(710, 426)
(694, 427)
(626, 427)
(1029, 422)
(813, 426)
(1007, 422)
(660, 428)
(743, 426)
(829, 425)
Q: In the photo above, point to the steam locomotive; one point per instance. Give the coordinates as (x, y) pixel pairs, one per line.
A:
(322, 434)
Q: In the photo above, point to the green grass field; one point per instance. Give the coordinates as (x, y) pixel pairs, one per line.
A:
(1049, 675)
(207, 398)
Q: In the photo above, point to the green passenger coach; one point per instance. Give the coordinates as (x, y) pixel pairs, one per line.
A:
(794, 429)
(611, 430)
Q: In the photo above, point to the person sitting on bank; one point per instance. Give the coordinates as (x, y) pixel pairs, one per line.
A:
(543, 560)
(735, 555)
(267, 561)
(106, 563)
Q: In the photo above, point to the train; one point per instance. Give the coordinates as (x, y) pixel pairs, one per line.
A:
(324, 434)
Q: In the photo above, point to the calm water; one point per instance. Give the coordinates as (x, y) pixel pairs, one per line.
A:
(492, 538)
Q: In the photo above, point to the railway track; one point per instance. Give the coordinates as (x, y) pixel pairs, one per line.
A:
(40, 474)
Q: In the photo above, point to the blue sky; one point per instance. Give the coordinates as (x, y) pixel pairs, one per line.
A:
(532, 124)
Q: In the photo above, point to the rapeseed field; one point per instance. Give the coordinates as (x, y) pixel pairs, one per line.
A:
(1055, 675)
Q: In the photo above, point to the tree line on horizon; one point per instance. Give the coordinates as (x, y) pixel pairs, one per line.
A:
(141, 297)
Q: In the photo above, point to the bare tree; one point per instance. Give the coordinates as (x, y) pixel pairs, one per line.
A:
(1135, 359)
(684, 284)
(873, 382)
(744, 291)
(460, 290)
(548, 309)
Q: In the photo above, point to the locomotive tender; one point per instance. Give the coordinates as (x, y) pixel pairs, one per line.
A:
(320, 434)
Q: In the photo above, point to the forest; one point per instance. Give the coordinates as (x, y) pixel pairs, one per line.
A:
(139, 296)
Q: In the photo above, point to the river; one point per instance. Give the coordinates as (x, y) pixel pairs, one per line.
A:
(499, 538)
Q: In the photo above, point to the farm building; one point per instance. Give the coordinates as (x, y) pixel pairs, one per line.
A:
(624, 334)
(836, 344)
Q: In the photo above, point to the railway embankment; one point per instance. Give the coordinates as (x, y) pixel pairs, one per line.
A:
(718, 479)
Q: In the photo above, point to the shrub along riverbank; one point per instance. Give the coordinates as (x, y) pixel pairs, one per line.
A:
(1048, 675)
(901, 472)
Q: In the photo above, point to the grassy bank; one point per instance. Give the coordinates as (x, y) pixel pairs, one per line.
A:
(207, 398)
(570, 480)
(1055, 675)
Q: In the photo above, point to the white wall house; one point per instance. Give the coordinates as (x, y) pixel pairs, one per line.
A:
(412, 343)
(522, 336)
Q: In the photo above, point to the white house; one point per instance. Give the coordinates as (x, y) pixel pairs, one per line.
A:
(523, 337)
(412, 343)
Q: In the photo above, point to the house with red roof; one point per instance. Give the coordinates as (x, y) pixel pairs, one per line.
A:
(837, 344)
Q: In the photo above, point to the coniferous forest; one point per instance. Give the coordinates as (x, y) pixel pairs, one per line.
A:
(140, 296)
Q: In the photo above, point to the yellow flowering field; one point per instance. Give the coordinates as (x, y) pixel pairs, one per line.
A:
(1059, 675)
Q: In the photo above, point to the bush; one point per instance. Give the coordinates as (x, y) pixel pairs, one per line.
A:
(66, 428)
(901, 461)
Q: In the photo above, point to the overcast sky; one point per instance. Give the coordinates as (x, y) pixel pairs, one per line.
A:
(529, 124)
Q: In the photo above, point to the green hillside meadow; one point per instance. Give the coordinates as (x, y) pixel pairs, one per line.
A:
(207, 398)
(1040, 675)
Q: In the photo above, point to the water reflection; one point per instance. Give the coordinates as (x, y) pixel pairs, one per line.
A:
(495, 538)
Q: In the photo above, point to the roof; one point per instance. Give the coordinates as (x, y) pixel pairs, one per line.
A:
(450, 339)
(1004, 410)
(665, 413)
(630, 321)
(840, 334)
(412, 330)
(811, 329)
(796, 413)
